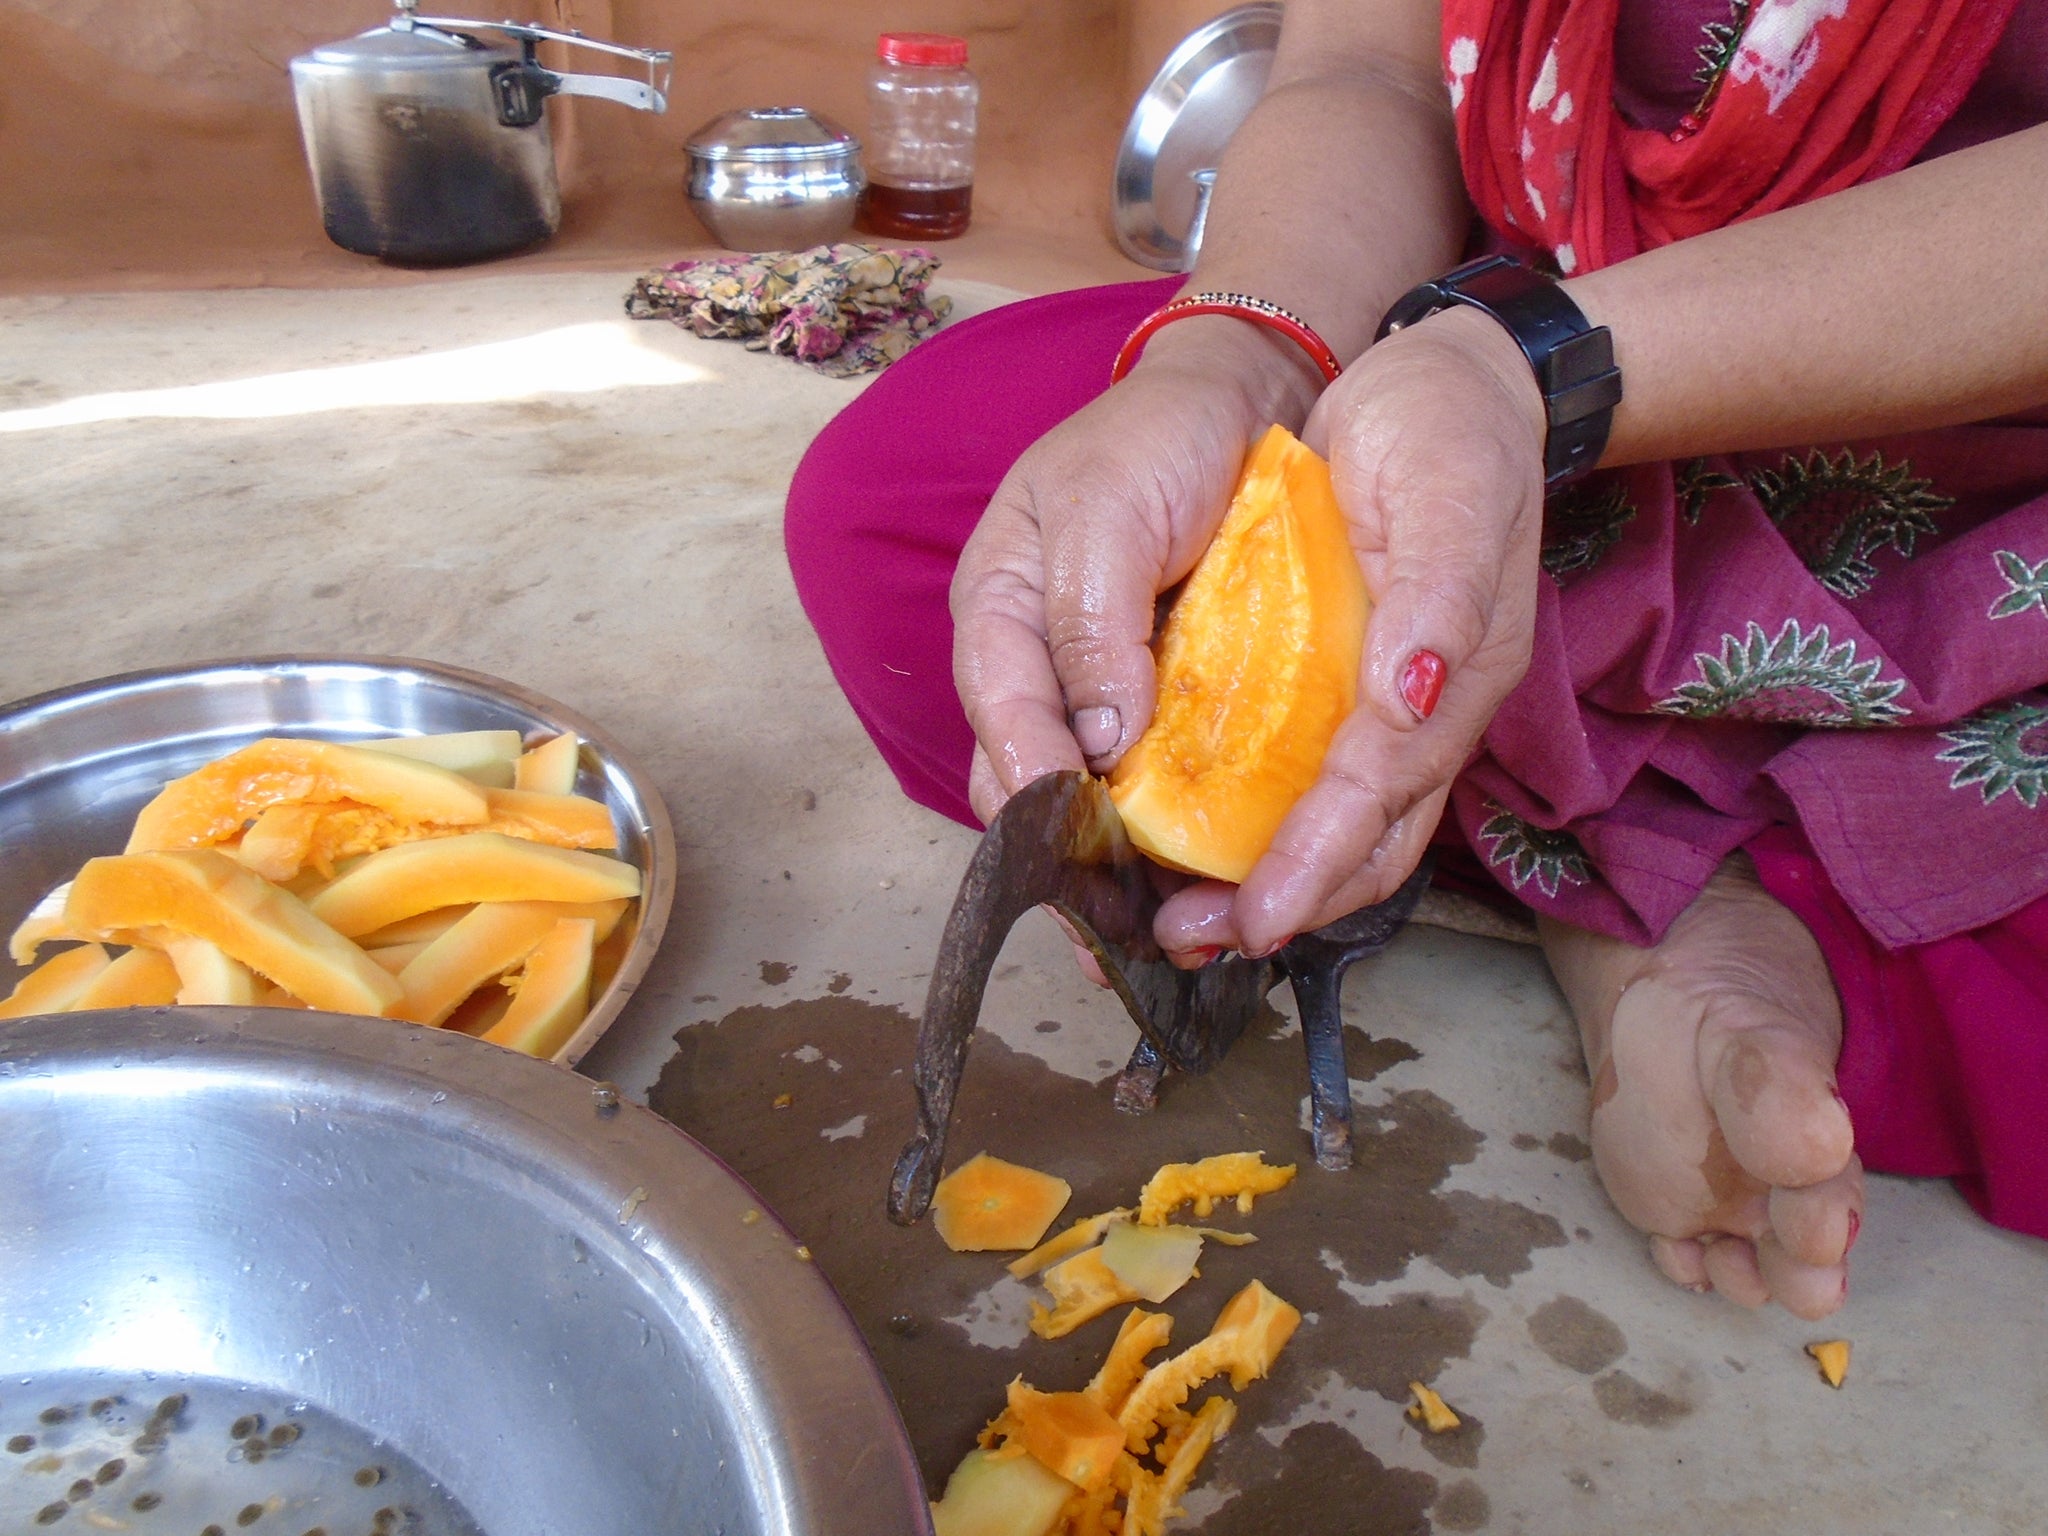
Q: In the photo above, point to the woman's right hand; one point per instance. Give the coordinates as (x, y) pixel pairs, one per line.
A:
(1056, 593)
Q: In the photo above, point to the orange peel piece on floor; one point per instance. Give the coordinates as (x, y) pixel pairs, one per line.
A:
(1257, 668)
(1083, 1288)
(1431, 1411)
(206, 894)
(1252, 1329)
(1239, 1176)
(56, 984)
(401, 882)
(987, 1204)
(212, 804)
(1833, 1359)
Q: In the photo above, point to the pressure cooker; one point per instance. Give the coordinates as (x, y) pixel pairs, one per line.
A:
(428, 137)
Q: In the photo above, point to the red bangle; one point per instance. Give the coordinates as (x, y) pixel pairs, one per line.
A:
(1244, 307)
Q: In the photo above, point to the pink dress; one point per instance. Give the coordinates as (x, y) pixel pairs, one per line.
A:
(1835, 658)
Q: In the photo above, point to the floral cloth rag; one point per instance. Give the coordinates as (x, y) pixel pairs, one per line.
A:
(841, 309)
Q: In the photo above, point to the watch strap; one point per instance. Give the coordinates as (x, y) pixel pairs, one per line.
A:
(1573, 359)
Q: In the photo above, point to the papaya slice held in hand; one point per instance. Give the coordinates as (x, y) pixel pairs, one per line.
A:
(1257, 667)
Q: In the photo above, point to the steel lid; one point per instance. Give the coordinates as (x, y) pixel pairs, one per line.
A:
(772, 133)
(414, 46)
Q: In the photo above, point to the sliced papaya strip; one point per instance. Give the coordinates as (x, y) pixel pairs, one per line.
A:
(278, 841)
(1000, 1493)
(1084, 1233)
(549, 768)
(204, 893)
(1156, 1496)
(207, 975)
(422, 929)
(491, 940)
(567, 821)
(551, 993)
(482, 757)
(412, 878)
(1153, 1261)
(396, 957)
(141, 978)
(45, 924)
(1431, 1411)
(55, 985)
(214, 803)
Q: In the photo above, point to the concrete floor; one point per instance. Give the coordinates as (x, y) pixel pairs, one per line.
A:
(500, 473)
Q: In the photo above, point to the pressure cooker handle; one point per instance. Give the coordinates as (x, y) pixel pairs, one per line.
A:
(650, 95)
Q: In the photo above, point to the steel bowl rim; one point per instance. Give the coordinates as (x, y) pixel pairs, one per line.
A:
(658, 880)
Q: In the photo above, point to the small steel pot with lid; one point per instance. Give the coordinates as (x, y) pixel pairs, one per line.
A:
(427, 143)
(774, 179)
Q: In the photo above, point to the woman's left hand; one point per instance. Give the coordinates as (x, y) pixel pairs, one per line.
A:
(1435, 442)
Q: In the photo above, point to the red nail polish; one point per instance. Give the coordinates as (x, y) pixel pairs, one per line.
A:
(1423, 683)
(1855, 1226)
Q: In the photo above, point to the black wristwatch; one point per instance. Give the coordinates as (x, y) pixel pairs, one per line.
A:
(1573, 360)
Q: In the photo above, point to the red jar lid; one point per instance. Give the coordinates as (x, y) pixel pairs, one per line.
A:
(929, 48)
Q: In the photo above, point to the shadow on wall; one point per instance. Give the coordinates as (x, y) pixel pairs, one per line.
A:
(142, 143)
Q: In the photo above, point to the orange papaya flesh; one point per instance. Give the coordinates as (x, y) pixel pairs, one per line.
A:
(987, 1203)
(552, 993)
(1252, 1329)
(420, 929)
(1083, 1288)
(56, 984)
(1239, 1176)
(402, 882)
(549, 768)
(212, 804)
(1000, 1493)
(1258, 666)
(1068, 1433)
(207, 975)
(566, 821)
(482, 757)
(1139, 1335)
(285, 839)
(206, 894)
(1156, 1496)
(491, 940)
(141, 978)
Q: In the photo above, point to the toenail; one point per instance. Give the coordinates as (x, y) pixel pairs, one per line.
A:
(1855, 1226)
(1700, 1288)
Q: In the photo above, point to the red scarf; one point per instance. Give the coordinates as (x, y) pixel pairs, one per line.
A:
(1816, 95)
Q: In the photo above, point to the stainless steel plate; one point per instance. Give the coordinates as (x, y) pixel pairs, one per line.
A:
(566, 1314)
(1200, 97)
(77, 764)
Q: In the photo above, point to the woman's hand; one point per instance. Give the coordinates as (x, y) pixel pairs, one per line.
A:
(1435, 440)
(1055, 596)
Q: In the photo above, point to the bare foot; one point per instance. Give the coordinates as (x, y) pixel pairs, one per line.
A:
(1716, 1125)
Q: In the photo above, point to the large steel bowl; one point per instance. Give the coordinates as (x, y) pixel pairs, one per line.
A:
(76, 765)
(428, 1256)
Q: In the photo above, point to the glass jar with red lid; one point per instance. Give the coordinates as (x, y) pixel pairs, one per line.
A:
(922, 103)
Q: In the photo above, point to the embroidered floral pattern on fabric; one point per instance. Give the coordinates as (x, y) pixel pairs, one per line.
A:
(841, 309)
(1693, 482)
(1523, 851)
(2029, 585)
(1992, 750)
(1723, 38)
(1837, 513)
(1792, 678)
(1581, 523)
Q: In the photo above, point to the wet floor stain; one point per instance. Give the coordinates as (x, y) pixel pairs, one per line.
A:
(1320, 1240)
(838, 983)
(1457, 1447)
(1577, 1337)
(1463, 1506)
(1573, 1149)
(774, 973)
(1628, 1401)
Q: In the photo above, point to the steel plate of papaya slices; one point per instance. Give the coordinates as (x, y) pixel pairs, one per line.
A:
(1059, 842)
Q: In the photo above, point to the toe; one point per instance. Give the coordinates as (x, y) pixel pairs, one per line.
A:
(1772, 1087)
(1805, 1290)
(1817, 1224)
(1732, 1269)
(1683, 1261)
